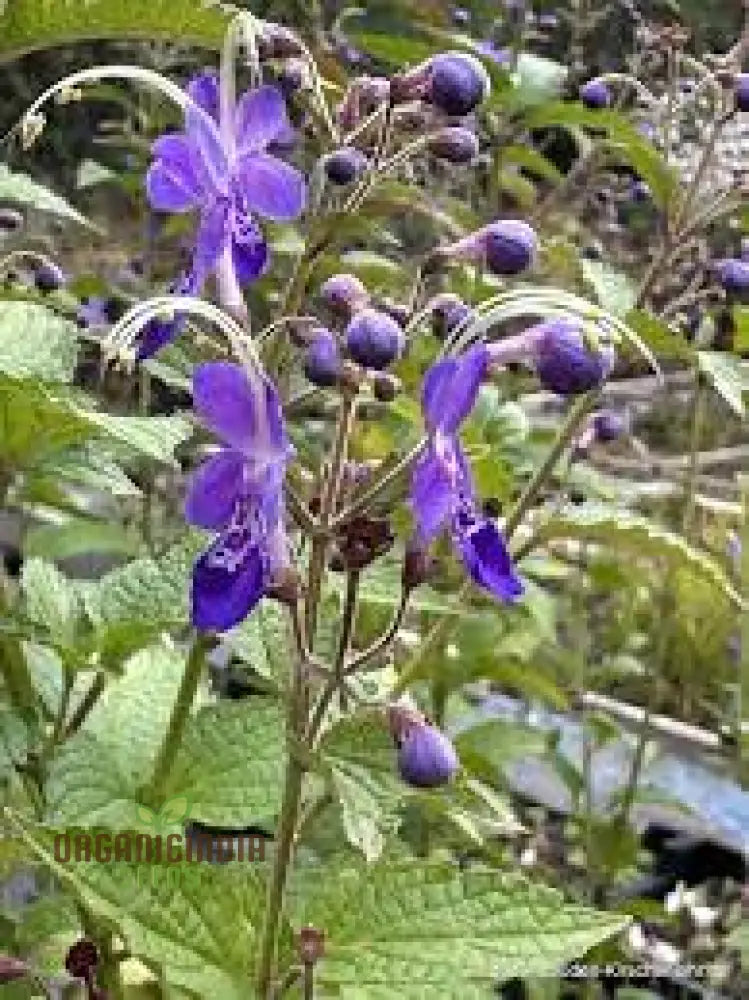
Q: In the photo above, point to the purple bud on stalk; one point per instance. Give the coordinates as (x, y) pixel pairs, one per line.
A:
(322, 361)
(741, 91)
(506, 247)
(454, 82)
(48, 277)
(609, 425)
(595, 95)
(374, 339)
(426, 757)
(455, 144)
(559, 350)
(345, 165)
(344, 294)
(448, 312)
(733, 275)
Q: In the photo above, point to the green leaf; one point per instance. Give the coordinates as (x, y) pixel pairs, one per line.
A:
(89, 466)
(622, 530)
(725, 376)
(538, 79)
(20, 189)
(533, 161)
(613, 290)
(263, 641)
(421, 930)
(156, 437)
(35, 420)
(487, 748)
(660, 338)
(230, 765)
(36, 343)
(94, 777)
(173, 916)
(145, 597)
(29, 25)
(359, 757)
(80, 536)
(381, 585)
(50, 600)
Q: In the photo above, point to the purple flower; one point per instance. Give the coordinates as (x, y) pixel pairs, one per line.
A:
(224, 169)
(426, 757)
(442, 489)
(456, 144)
(93, 314)
(558, 349)
(344, 294)
(595, 95)
(374, 339)
(741, 91)
(49, 277)
(238, 492)
(322, 360)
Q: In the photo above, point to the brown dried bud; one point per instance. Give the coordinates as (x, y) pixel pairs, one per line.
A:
(310, 945)
(362, 540)
(386, 387)
(418, 567)
(286, 587)
(12, 968)
(82, 959)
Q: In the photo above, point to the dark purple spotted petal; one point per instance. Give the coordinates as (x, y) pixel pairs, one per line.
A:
(214, 488)
(249, 251)
(485, 556)
(271, 187)
(210, 162)
(204, 90)
(450, 389)
(223, 596)
(172, 183)
(261, 119)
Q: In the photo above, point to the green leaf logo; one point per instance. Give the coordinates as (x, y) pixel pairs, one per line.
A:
(172, 812)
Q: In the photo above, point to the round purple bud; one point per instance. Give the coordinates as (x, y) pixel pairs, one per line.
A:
(609, 425)
(595, 95)
(322, 361)
(48, 277)
(426, 758)
(374, 339)
(458, 83)
(741, 91)
(564, 363)
(345, 165)
(456, 144)
(449, 311)
(640, 192)
(734, 276)
(509, 246)
(344, 294)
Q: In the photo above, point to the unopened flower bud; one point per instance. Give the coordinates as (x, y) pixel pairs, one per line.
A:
(48, 277)
(310, 945)
(454, 82)
(322, 360)
(345, 165)
(427, 758)
(564, 362)
(595, 95)
(733, 275)
(455, 144)
(418, 567)
(277, 42)
(344, 294)
(449, 311)
(82, 959)
(12, 968)
(374, 339)
(386, 387)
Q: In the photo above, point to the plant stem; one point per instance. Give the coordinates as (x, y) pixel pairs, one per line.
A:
(284, 845)
(381, 644)
(698, 411)
(347, 630)
(185, 697)
(577, 414)
(91, 697)
(362, 502)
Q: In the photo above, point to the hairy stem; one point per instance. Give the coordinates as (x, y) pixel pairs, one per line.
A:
(185, 697)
